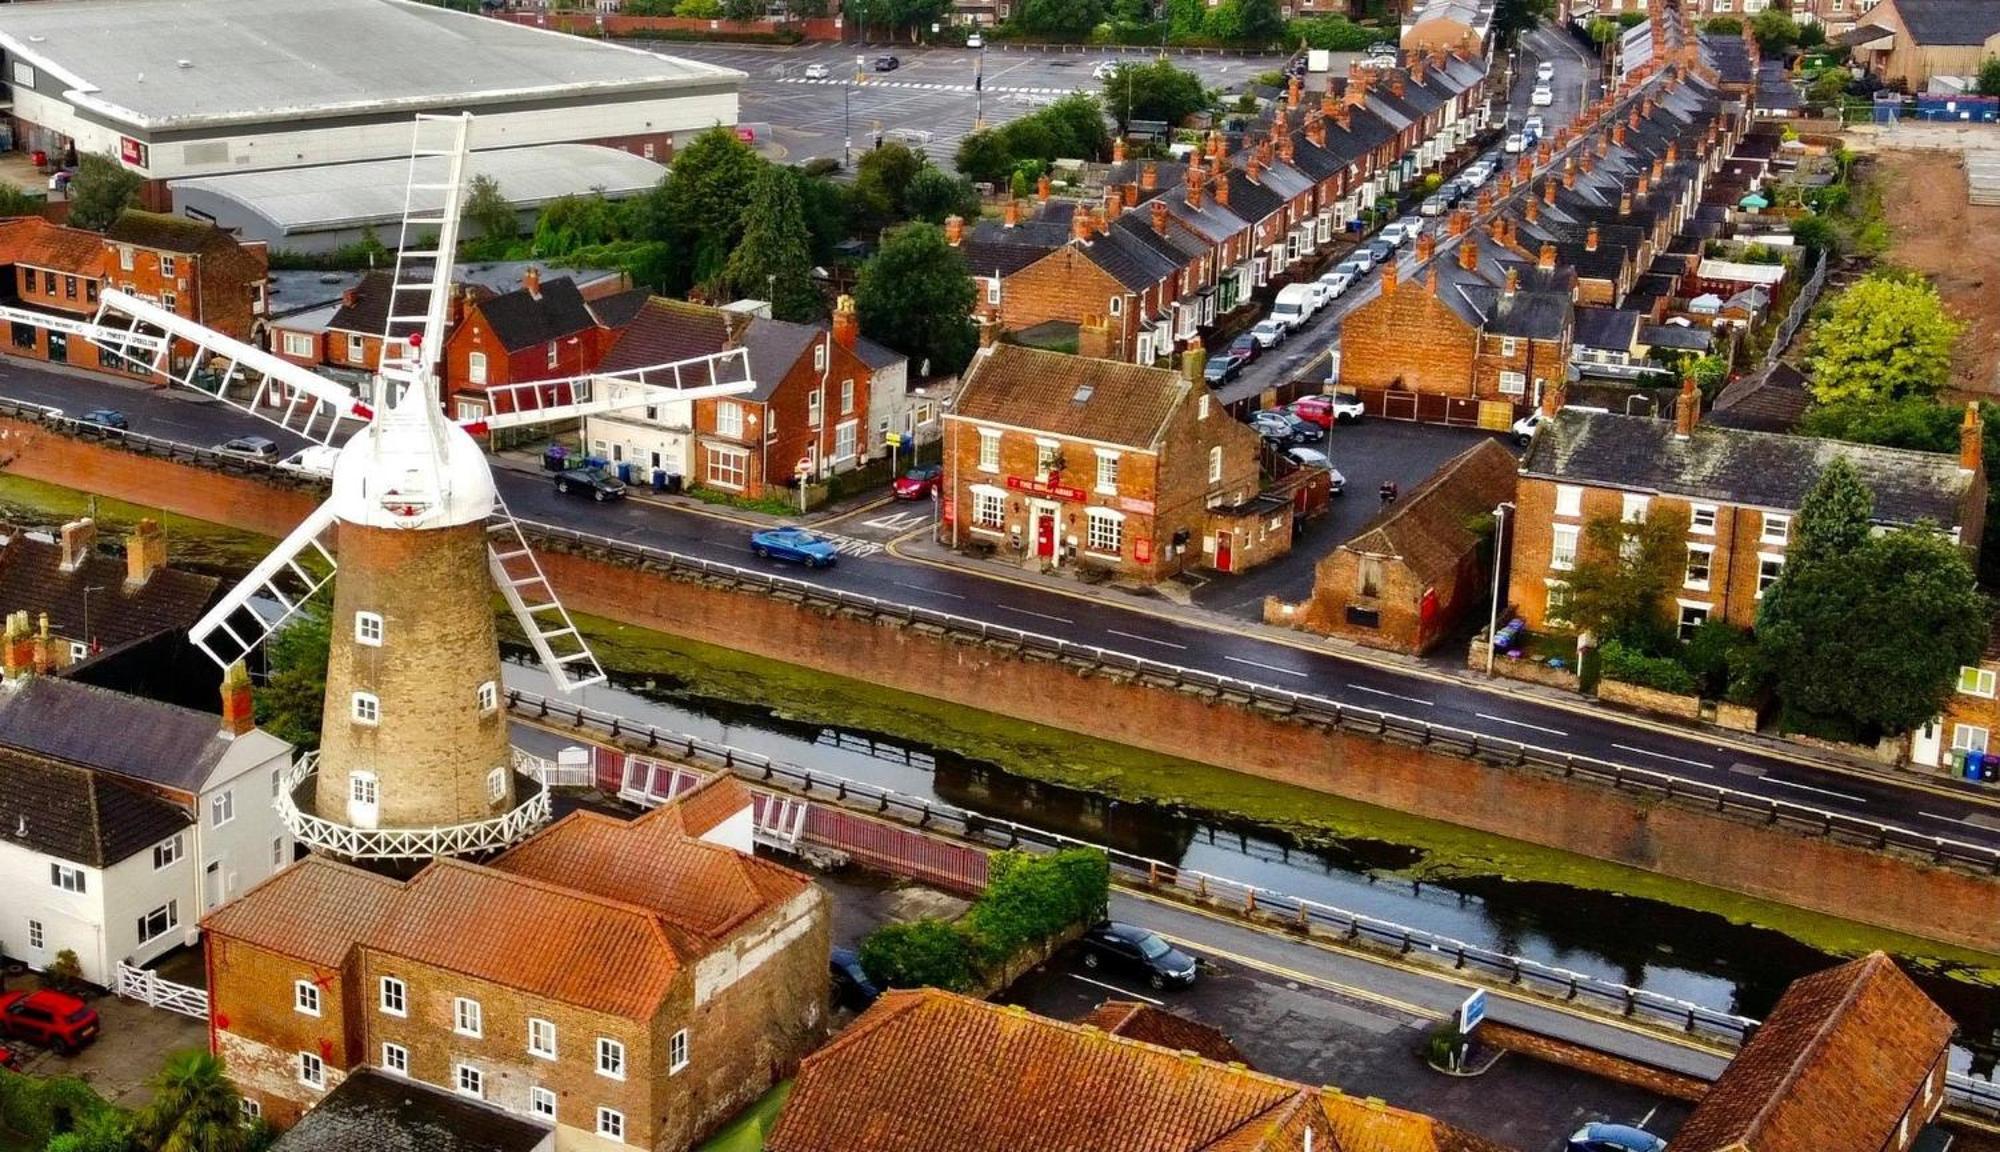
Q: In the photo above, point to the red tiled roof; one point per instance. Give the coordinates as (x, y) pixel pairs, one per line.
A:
(1150, 1025)
(1430, 530)
(1372, 1126)
(1836, 1065)
(715, 799)
(314, 911)
(33, 240)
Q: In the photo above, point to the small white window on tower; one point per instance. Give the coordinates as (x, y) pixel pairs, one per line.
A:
(367, 709)
(368, 629)
(496, 785)
(489, 696)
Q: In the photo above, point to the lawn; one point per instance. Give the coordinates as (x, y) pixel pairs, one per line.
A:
(746, 1132)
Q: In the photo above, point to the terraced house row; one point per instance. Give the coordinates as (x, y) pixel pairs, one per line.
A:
(1162, 250)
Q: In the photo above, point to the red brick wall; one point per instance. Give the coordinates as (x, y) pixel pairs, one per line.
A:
(1065, 285)
(1397, 603)
(1410, 336)
(789, 408)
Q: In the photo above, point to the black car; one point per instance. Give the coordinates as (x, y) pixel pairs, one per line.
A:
(887, 63)
(851, 986)
(1139, 953)
(595, 483)
(1222, 369)
(1381, 250)
(106, 418)
(1304, 431)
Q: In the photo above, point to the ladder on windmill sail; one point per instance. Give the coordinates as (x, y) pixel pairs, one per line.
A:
(550, 631)
(423, 262)
(273, 592)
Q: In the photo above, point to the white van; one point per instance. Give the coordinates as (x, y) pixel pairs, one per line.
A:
(314, 461)
(1295, 305)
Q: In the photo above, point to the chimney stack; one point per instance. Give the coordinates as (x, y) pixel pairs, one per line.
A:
(1345, 116)
(1688, 410)
(1547, 260)
(954, 230)
(1389, 275)
(78, 538)
(1625, 204)
(1195, 179)
(1316, 132)
(238, 714)
(989, 327)
(1426, 247)
(1971, 439)
(1548, 191)
(1294, 91)
(17, 657)
(1329, 104)
(1042, 188)
(1194, 359)
(1160, 216)
(1131, 193)
(734, 325)
(1149, 176)
(1285, 149)
(1590, 239)
(145, 552)
(1513, 279)
(1114, 203)
(1254, 169)
(1218, 148)
(1222, 185)
(531, 281)
(1079, 224)
(1118, 149)
(1468, 253)
(1396, 84)
(1532, 209)
(1551, 400)
(349, 297)
(846, 322)
(1012, 216)
(1458, 222)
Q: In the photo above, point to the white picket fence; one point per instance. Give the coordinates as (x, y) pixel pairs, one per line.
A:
(145, 986)
(570, 769)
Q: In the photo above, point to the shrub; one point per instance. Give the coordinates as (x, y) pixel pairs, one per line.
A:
(1031, 898)
(922, 953)
(65, 974)
(1711, 655)
(1630, 666)
(1333, 33)
(41, 1109)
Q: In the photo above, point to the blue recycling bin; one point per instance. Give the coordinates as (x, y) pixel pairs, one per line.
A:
(597, 463)
(625, 472)
(1975, 765)
(659, 480)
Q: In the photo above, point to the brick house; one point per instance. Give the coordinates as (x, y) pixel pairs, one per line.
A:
(94, 602)
(543, 330)
(1851, 1057)
(1064, 460)
(355, 332)
(1971, 716)
(626, 983)
(925, 1069)
(1412, 572)
(1741, 491)
(810, 402)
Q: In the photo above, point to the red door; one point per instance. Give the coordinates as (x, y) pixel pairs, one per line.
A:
(1222, 552)
(1045, 536)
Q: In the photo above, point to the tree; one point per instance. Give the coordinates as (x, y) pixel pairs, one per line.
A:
(1722, 26)
(1624, 579)
(1829, 87)
(700, 204)
(698, 9)
(1883, 339)
(1710, 373)
(742, 10)
(916, 296)
(1059, 19)
(1914, 422)
(1154, 91)
(294, 692)
(194, 1108)
(15, 202)
(934, 194)
(1989, 76)
(826, 207)
(103, 188)
(489, 208)
(1076, 129)
(106, 1130)
(571, 222)
(983, 156)
(774, 260)
(1833, 520)
(1263, 22)
(806, 9)
(880, 181)
(1775, 31)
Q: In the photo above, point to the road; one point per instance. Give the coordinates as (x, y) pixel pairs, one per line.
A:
(1946, 809)
(1577, 80)
(929, 102)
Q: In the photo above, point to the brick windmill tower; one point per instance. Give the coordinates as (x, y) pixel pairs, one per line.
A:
(414, 759)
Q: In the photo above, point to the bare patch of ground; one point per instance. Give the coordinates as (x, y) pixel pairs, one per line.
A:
(1955, 244)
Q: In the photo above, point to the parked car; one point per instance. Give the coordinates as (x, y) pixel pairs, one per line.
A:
(595, 483)
(1304, 431)
(1615, 1138)
(106, 418)
(250, 448)
(1244, 348)
(851, 986)
(1532, 129)
(1294, 305)
(1138, 952)
(1514, 144)
(1327, 409)
(1542, 96)
(1337, 281)
(887, 63)
(1362, 259)
(918, 483)
(1269, 333)
(1382, 48)
(1354, 268)
(48, 1018)
(1433, 206)
(1274, 428)
(818, 72)
(314, 461)
(1545, 71)
(1382, 60)
(1381, 250)
(975, 41)
(794, 544)
(1221, 369)
(1314, 458)
(1524, 428)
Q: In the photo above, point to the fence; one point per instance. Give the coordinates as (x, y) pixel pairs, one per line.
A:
(144, 445)
(1808, 293)
(145, 986)
(1498, 750)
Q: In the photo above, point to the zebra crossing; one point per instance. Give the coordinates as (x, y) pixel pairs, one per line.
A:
(927, 86)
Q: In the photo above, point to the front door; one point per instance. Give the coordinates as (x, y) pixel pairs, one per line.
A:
(211, 885)
(1222, 552)
(1045, 533)
(363, 800)
(1924, 744)
(58, 348)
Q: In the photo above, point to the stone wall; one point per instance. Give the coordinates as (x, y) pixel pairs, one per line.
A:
(1649, 699)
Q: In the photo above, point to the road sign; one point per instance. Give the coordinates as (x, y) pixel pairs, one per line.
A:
(892, 439)
(1471, 1012)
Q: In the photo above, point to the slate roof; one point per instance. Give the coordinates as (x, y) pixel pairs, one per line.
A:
(78, 815)
(369, 314)
(1773, 401)
(617, 310)
(876, 356)
(1159, 1027)
(32, 580)
(1958, 22)
(1680, 337)
(1124, 404)
(1428, 529)
(774, 347)
(115, 732)
(663, 331)
(990, 246)
(1758, 469)
(370, 1112)
(1129, 260)
(1606, 328)
(1835, 1065)
(177, 234)
(520, 320)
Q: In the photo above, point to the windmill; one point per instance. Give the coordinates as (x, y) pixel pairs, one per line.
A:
(414, 759)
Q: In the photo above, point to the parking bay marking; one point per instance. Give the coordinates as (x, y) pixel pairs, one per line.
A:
(1392, 695)
(1663, 756)
(1117, 989)
(1146, 639)
(1520, 724)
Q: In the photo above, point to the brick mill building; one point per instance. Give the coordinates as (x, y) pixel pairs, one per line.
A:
(1740, 491)
(1408, 577)
(627, 983)
(1072, 461)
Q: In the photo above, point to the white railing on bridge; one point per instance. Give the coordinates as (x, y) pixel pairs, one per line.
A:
(145, 986)
(570, 769)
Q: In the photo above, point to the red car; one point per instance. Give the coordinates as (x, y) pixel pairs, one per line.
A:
(50, 1019)
(918, 483)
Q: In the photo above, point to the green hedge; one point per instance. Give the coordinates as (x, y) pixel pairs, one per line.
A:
(39, 1109)
(920, 954)
(1028, 899)
(1631, 666)
(1334, 34)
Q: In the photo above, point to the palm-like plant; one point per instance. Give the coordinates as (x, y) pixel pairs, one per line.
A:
(194, 1108)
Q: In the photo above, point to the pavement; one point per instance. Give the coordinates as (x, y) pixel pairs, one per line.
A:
(132, 1042)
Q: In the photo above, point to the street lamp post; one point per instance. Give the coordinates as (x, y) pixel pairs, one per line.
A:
(1500, 512)
(847, 126)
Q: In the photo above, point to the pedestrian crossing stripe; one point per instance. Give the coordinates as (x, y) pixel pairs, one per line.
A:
(924, 86)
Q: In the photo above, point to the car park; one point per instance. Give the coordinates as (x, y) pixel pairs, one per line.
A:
(818, 72)
(595, 483)
(1221, 369)
(1337, 281)
(1615, 1138)
(110, 418)
(794, 544)
(851, 986)
(1314, 458)
(49, 1019)
(1542, 96)
(918, 483)
(887, 63)
(1514, 144)
(250, 448)
(1135, 951)
(1269, 333)
(1545, 71)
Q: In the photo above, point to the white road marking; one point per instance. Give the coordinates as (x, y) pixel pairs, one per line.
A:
(932, 591)
(897, 521)
(1146, 639)
(1031, 612)
(1663, 756)
(1392, 695)
(1117, 989)
(1520, 724)
(1990, 823)
(1821, 791)
(1265, 667)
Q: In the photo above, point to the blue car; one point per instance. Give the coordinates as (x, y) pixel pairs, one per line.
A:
(794, 544)
(1615, 1138)
(851, 986)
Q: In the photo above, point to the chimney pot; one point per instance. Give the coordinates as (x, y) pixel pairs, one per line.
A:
(1079, 224)
(531, 281)
(1118, 150)
(1131, 193)
(239, 716)
(78, 538)
(846, 322)
(1012, 216)
(1149, 176)
(1042, 189)
(1971, 439)
(1426, 247)
(1468, 253)
(1688, 410)
(145, 552)
(1513, 279)
(1547, 261)
(954, 230)
(1160, 217)
(1590, 239)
